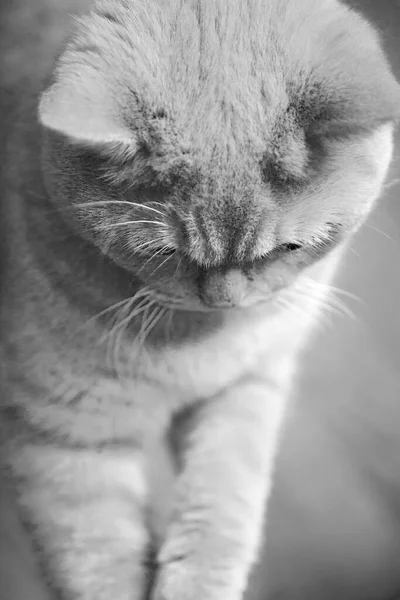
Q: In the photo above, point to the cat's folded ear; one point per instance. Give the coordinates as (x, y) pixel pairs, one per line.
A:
(361, 90)
(80, 108)
(372, 99)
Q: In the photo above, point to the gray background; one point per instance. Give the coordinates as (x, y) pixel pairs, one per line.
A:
(334, 520)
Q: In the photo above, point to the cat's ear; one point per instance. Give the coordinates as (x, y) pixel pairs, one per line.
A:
(375, 97)
(80, 108)
(361, 91)
(366, 113)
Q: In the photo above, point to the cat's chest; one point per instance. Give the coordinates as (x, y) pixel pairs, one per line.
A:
(204, 368)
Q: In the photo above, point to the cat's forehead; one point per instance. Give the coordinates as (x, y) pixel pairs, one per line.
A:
(220, 91)
(204, 55)
(233, 74)
(229, 71)
(233, 81)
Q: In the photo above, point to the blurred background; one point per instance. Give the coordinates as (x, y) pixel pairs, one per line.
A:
(334, 519)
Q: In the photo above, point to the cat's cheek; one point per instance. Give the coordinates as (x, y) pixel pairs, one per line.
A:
(375, 155)
(323, 271)
(266, 282)
(381, 149)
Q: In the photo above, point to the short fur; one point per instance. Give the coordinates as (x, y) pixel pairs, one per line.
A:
(194, 168)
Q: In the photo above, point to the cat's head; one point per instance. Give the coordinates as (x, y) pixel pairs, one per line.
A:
(216, 149)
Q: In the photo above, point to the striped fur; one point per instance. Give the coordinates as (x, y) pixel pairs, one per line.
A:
(176, 201)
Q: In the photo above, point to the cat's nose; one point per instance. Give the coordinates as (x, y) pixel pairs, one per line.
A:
(222, 289)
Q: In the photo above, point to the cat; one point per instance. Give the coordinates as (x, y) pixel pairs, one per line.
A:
(177, 200)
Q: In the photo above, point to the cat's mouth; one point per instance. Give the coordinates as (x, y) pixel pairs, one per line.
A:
(199, 306)
(196, 307)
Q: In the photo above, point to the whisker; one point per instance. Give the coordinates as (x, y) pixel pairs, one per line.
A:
(121, 319)
(116, 202)
(312, 292)
(177, 267)
(168, 327)
(337, 307)
(121, 311)
(125, 223)
(352, 250)
(162, 264)
(149, 243)
(153, 320)
(145, 322)
(159, 251)
(113, 354)
(111, 358)
(391, 183)
(122, 329)
(323, 294)
(326, 302)
(315, 253)
(103, 312)
(386, 235)
(327, 287)
(148, 323)
(290, 306)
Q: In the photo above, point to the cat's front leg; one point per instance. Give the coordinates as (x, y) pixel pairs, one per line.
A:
(214, 535)
(86, 511)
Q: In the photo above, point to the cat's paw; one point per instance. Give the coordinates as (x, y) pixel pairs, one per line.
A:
(184, 580)
(175, 582)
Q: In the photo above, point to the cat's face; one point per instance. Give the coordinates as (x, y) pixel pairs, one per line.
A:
(218, 153)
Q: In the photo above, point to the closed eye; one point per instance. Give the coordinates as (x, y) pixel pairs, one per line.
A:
(165, 251)
(289, 247)
(285, 248)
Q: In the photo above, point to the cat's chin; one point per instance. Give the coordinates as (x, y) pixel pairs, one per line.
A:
(199, 307)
